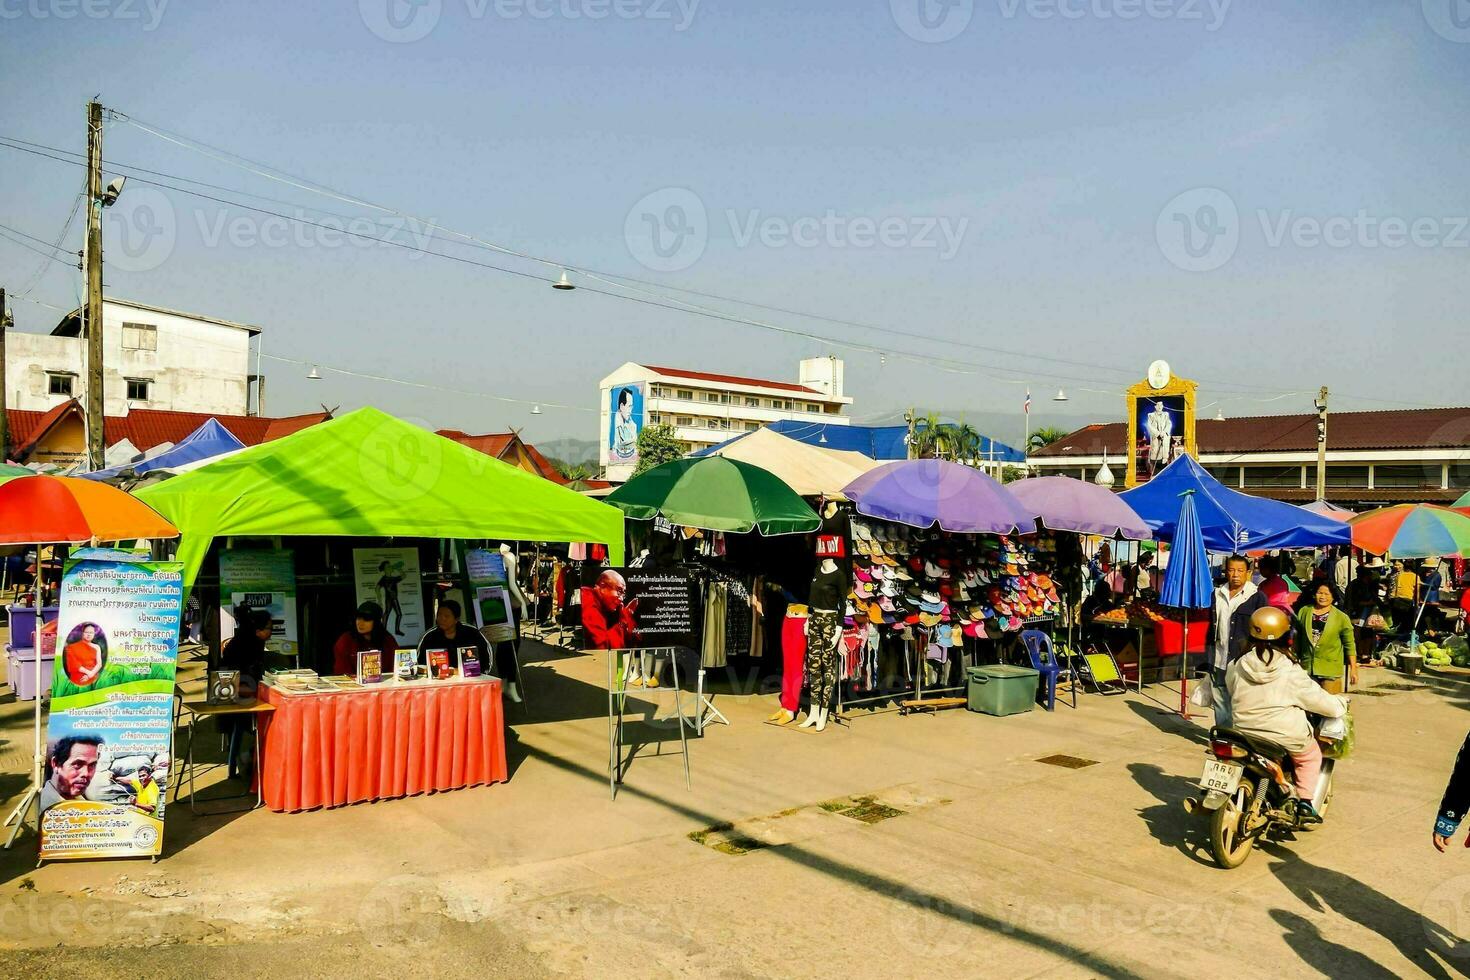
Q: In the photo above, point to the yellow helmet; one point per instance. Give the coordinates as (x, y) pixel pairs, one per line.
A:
(1269, 624)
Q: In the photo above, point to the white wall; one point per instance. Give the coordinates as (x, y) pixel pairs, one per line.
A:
(199, 366)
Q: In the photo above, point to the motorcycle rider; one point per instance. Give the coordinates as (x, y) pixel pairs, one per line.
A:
(1270, 696)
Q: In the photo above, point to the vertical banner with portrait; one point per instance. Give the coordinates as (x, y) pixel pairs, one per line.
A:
(1161, 424)
(391, 578)
(261, 578)
(640, 608)
(109, 739)
(625, 407)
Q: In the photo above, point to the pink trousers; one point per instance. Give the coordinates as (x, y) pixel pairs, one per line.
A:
(1308, 766)
(793, 661)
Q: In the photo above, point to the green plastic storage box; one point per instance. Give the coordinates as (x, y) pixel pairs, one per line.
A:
(1000, 689)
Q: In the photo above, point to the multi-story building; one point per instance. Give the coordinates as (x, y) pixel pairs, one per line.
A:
(1373, 458)
(153, 358)
(707, 409)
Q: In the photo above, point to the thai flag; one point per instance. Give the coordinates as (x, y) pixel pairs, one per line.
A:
(1027, 407)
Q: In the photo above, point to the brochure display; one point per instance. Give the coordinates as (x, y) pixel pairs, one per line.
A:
(262, 578)
(110, 734)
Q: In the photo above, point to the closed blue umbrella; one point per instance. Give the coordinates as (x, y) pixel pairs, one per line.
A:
(1187, 582)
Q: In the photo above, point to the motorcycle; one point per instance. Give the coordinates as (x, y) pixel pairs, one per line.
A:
(1247, 783)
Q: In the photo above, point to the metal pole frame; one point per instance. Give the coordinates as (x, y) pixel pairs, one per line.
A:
(617, 696)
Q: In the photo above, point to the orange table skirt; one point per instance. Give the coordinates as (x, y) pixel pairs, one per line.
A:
(327, 750)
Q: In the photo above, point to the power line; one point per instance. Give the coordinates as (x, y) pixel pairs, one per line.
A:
(5, 233)
(952, 365)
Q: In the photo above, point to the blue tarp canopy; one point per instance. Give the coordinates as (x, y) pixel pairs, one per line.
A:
(1231, 521)
(209, 440)
(883, 442)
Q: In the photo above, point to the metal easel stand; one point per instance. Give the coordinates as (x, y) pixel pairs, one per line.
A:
(617, 697)
(707, 709)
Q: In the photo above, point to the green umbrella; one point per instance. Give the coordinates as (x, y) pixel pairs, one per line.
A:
(716, 494)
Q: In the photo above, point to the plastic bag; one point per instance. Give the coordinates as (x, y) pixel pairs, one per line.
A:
(1204, 693)
(1338, 748)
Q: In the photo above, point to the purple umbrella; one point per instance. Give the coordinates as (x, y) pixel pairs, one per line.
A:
(1066, 504)
(925, 492)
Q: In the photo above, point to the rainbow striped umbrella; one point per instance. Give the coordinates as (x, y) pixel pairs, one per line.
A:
(1412, 531)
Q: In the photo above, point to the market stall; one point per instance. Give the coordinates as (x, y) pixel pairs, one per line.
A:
(369, 475)
(939, 569)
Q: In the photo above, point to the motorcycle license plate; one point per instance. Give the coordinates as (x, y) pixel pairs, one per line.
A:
(1221, 776)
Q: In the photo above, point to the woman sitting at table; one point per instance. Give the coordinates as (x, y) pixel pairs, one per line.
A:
(1324, 640)
(452, 635)
(246, 650)
(367, 634)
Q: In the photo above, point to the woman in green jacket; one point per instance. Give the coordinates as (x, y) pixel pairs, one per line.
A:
(1324, 639)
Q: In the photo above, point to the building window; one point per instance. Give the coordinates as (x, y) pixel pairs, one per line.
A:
(59, 383)
(752, 426)
(1273, 476)
(813, 407)
(685, 420)
(752, 402)
(686, 394)
(140, 336)
(1406, 477)
(1459, 475)
(138, 389)
(1228, 475)
(778, 403)
(1347, 477)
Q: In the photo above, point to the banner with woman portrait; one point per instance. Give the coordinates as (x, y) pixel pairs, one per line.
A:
(109, 739)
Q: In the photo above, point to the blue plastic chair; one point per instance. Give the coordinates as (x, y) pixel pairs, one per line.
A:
(1044, 661)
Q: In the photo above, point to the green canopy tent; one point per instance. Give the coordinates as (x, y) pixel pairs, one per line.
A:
(372, 475)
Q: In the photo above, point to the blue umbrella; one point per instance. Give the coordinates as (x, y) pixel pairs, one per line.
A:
(1187, 581)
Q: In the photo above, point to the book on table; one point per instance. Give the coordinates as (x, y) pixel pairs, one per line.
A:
(440, 669)
(369, 666)
(469, 662)
(405, 663)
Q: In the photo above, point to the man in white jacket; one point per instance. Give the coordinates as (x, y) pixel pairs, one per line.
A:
(1270, 696)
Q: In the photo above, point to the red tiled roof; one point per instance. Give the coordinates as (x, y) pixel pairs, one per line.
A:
(1424, 428)
(27, 427)
(731, 379)
(146, 428)
(500, 445)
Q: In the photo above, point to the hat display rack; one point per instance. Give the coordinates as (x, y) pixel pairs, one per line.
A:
(937, 594)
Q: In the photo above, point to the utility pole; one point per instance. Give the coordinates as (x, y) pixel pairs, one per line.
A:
(909, 442)
(96, 449)
(1322, 444)
(4, 398)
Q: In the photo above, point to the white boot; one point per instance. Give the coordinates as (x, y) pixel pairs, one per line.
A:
(821, 719)
(812, 714)
(512, 693)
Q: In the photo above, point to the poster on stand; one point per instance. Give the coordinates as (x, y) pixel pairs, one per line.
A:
(486, 567)
(640, 608)
(494, 614)
(261, 578)
(109, 738)
(390, 577)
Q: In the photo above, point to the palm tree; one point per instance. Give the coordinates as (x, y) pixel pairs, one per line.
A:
(1045, 437)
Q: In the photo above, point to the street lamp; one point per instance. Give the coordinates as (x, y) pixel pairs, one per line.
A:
(563, 282)
(313, 374)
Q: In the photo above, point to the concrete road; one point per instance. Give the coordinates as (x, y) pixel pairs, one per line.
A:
(892, 846)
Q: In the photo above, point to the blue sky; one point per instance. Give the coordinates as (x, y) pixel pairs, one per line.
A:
(1048, 145)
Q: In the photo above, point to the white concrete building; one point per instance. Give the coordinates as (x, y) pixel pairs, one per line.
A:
(706, 409)
(153, 358)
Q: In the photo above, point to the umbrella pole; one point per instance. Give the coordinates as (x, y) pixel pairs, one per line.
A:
(33, 792)
(1184, 671)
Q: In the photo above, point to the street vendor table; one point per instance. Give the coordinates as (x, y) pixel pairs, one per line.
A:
(384, 741)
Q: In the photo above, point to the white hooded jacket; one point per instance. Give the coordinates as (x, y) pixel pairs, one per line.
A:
(1271, 699)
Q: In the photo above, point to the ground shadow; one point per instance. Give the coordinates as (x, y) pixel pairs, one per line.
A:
(1316, 951)
(892, 889)
(1422, 941)
(1168, 822)
(1167, 720)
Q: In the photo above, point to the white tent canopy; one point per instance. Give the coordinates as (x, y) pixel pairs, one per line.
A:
(811, 471)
